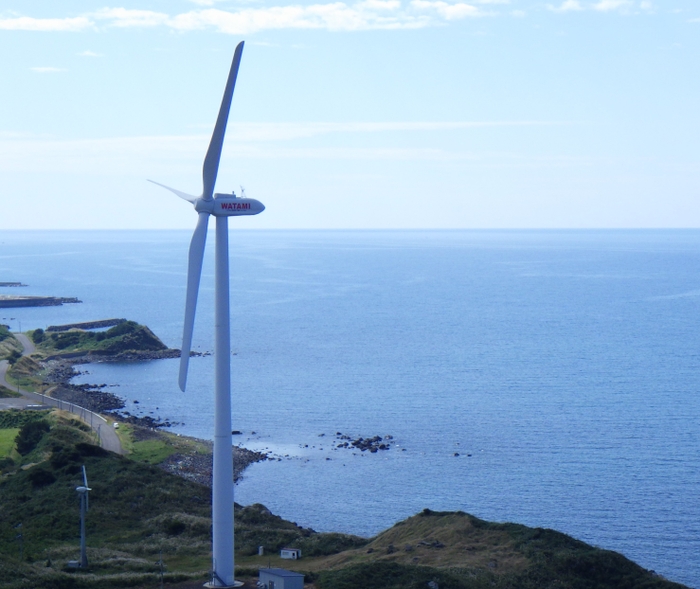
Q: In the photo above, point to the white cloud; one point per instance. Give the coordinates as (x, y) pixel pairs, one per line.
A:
(447, 11)
(47, 70)
(89, 53)
(27, 23)
(337, 16)
(123, 17)
(608, 5)
(566, 6)
(333, 16)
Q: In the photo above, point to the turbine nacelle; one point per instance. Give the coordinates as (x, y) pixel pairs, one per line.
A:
(229, 205)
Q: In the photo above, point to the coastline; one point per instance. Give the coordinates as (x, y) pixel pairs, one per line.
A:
(194, 466)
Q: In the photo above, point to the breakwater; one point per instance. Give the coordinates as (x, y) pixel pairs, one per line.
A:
(86, 325)
(10, 301)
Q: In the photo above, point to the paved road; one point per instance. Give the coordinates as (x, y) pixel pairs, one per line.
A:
(108, 437)
(27, 344)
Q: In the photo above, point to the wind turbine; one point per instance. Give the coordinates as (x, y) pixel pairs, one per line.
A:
(222, 206)
(83, 492)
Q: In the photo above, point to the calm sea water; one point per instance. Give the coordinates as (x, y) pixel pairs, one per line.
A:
(567, 363)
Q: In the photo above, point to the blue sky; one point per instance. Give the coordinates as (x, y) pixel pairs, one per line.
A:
(369, 114)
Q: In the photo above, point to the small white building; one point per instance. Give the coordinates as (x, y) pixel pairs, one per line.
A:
(280, 579)
(290, 553)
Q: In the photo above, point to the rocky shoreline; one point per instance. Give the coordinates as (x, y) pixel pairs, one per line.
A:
(61, 369)
(198, 467)
(195, 467)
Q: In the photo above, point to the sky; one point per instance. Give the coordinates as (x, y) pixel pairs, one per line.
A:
(389, 114)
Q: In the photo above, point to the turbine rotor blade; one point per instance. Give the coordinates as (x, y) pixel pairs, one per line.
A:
(194, 273)
(211, 161)
(187, 197)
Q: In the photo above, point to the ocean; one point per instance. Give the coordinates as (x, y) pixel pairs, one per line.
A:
(548, 378)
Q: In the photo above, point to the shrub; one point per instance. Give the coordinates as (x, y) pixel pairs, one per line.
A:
(387, 575)
(6, 464)
(38, 336)
(65, 340)
(64, 456)
(30, 435)
(40, 477)
(13, 356)
(86, 449)
(18, 418)
(175, 527)
(121, 329)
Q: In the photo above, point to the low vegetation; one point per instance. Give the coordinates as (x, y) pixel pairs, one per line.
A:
(6, 393)
(125, 337)
(26, 373)
(10, 348)
(137, 511)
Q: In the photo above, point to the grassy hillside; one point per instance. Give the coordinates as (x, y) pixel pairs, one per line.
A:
(138, 512)
(460, 551)
(10, 348)
(125, 337)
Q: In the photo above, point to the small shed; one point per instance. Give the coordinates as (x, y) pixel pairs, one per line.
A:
(290, 553)
(280, 579)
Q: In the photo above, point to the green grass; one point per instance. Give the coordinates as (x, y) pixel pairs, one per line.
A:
(151, 451)
(159, 445)
(7, 441)
(125, 433)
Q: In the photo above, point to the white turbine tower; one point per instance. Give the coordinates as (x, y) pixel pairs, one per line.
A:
(222, 206)
(83, 492)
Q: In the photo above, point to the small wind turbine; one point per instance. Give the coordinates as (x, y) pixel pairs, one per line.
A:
(222, 206)
(83, 492)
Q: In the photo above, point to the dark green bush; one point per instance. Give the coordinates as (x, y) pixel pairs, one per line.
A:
(65, 340)
(17, 418)
(175, 527)
(38, 336)
(121, 329)
(30, 435)
(40, 477)
(387, 575)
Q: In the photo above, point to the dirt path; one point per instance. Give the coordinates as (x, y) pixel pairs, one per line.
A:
(105, 431)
